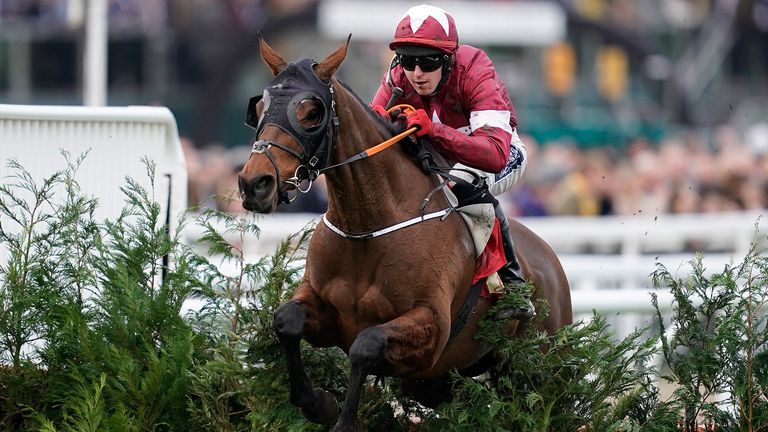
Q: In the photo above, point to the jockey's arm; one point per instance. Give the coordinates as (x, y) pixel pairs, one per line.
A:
(486, 148)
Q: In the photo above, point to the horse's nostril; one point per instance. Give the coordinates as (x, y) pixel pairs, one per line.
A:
(263, 184)
(257, 187)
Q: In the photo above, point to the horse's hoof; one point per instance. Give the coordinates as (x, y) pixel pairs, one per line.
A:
(323, 409)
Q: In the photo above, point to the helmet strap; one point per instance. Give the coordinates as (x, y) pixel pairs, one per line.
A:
(447, 66)
(396, 91)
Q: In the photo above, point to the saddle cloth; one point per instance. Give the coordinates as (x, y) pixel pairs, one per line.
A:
(486, 235)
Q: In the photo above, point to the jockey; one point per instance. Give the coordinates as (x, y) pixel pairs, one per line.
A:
(462, 107)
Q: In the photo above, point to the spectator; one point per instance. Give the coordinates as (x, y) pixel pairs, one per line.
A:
(684, 173)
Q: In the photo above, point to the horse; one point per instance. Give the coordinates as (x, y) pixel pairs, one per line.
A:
(383, 281)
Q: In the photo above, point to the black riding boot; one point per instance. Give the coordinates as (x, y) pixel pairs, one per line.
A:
(511, 274)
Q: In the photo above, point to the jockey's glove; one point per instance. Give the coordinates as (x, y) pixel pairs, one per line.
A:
(396, 115)
(420, 120)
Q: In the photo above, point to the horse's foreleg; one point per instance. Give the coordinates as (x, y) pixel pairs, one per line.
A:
(366, 352)
(410, 338)
(317, 405)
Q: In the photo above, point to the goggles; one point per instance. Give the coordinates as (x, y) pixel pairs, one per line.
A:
(427, 63)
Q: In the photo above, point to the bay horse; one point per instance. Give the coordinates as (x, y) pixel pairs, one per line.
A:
(388, 299)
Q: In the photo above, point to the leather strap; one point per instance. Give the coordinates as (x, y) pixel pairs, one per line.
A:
(466, 310)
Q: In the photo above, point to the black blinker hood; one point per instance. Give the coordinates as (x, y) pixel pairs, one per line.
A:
(295, 83)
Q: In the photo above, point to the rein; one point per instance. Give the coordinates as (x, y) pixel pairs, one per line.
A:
(373, 150)
(442, 214)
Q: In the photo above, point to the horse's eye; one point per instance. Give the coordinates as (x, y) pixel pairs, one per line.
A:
(310, 113)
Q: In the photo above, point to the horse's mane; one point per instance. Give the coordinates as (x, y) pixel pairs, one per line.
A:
(388, 129)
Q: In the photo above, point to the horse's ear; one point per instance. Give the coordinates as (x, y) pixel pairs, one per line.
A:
(271, 57)
(326, 68)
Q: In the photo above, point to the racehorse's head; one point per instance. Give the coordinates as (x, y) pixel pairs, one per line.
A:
(296, 124)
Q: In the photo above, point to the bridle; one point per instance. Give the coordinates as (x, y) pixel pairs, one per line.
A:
(295, 84)
(312, 174)
(317, 143)
(309, 168)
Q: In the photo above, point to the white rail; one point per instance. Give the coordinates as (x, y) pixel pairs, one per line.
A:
(115, 139)
(608, 260)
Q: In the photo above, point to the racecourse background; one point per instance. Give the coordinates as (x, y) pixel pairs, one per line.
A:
(632, 110)
(627, 108)
(596, 73)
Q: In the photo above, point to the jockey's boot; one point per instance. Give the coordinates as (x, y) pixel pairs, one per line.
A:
(511, 274)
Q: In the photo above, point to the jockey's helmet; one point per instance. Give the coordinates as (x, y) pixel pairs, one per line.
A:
(425, 30)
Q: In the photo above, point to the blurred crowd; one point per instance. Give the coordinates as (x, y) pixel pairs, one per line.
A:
(151, 15)
(691, 172)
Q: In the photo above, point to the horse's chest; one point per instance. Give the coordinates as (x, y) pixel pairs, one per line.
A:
(364, 299)
(377, 280)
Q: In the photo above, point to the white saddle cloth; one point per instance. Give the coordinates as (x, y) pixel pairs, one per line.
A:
(479, 218)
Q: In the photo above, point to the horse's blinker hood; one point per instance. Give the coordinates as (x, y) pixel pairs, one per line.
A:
(295, 84)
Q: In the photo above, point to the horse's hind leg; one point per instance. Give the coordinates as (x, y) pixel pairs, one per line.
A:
(317, 405)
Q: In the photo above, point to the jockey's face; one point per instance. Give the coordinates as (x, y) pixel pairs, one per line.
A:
(424, 83)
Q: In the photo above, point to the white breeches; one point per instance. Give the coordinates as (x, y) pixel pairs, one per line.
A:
(501, 182)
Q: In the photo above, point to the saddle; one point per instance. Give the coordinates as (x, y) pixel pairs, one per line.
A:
(476, 207)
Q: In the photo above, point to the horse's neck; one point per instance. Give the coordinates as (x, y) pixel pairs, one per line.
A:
(379, 191)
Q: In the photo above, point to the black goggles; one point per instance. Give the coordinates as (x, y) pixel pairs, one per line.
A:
(426, 63)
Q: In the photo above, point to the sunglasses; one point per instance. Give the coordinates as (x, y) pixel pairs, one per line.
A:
(426, 63)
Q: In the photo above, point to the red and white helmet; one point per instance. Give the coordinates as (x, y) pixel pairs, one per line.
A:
(427, 26)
